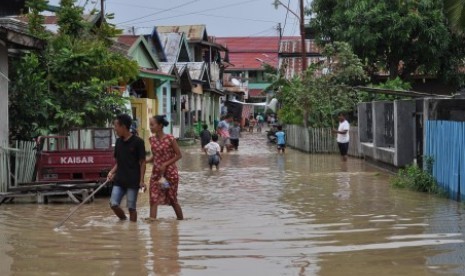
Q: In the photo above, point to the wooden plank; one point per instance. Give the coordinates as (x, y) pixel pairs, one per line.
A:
(72, 197)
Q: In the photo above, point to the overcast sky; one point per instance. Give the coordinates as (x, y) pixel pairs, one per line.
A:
(222, 17)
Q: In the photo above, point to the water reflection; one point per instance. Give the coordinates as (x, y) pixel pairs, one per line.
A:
(162, 247)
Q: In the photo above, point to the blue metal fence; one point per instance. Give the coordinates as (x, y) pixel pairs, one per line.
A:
(445, 143)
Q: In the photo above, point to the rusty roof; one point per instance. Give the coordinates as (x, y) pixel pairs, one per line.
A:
(128, 40)
(193, 32)
(257, 93)
(294, 46)
(290, 55)
(249, 53)
(292, 66)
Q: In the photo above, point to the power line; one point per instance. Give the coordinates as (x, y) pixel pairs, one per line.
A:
(285, 19)
(162, 11)
(199, 12)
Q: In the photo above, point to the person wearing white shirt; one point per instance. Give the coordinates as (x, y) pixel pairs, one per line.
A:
(212, 150)
(343, 135)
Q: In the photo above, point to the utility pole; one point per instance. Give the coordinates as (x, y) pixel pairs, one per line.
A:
(102, 10)
(301, 18)
(302, 35)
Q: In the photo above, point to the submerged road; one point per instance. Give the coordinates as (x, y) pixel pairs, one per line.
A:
(260, 214)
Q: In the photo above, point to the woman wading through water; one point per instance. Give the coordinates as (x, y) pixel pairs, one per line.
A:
(165, 178)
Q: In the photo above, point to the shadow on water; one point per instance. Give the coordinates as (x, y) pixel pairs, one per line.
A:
(260, 214)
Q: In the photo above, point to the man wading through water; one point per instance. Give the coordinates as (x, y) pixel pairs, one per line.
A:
(128, 173)
(343, 136)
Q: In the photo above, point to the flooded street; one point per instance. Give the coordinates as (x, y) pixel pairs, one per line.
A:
(260, 214)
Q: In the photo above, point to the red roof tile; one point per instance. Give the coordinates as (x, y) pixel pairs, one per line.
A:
(250, 52)
(127, 39)
(52, 19)
(256, 93)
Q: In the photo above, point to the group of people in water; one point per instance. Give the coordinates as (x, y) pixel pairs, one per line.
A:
(129, 171)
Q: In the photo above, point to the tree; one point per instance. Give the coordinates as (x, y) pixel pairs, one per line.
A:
(324, 89)
(401, 37)
(455, 11)
(70, 83)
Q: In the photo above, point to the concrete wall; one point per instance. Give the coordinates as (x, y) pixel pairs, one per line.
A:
(402, 152)
(362, 122)
(4, 128)
(378, 123)
(404, 130)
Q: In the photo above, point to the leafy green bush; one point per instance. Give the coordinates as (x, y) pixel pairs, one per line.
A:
(417, 179)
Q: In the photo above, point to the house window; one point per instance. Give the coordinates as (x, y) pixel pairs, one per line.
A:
(252, 76)
(165, 101)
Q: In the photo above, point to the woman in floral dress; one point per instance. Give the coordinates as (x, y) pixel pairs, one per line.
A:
(165, 153)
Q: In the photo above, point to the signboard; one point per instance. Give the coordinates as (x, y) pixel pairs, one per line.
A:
(12, 7)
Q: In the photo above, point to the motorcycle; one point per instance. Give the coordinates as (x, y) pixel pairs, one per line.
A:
(271, 134)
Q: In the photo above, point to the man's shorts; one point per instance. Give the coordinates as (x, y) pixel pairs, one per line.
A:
(281, 146)
(343, 148)
(117, 194)
(223, 141)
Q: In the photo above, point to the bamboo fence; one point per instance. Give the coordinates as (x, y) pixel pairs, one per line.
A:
(17, 164)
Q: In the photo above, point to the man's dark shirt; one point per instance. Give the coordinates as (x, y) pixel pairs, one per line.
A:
(128, 155)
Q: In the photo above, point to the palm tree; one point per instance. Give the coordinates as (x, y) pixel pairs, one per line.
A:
(455, 12)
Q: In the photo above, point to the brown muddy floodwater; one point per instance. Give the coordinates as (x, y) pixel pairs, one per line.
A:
(261, 214)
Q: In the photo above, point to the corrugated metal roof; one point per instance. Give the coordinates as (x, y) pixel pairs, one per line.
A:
(171, 43)
(293, 65)
(293, 46)
(167, 67)
(193, 32)
(181, 67)
(256, 93)
(196, 69)
(128, 40)
(120, 48)
(251, 52)
(289, 55)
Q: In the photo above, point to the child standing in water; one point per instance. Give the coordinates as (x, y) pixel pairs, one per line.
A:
(165, 153)
(281, 139)
(212, 150)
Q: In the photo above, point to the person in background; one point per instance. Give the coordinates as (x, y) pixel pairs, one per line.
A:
(260, 122)
(165, 154)
(281, 140)
(212, 150)
(343, 136)
(235, 134)
(223, 132)
(129, 170)
(252, 123)
(205, 136)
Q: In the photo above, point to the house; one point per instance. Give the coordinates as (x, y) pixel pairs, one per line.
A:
(200, 64)
(248, 56)
(150, 94)
(290, 55)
